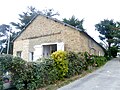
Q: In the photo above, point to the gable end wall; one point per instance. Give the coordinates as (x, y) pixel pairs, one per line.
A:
(44, 30)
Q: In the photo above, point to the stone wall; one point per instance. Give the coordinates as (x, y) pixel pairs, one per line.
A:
(23, 46)
(44, 30)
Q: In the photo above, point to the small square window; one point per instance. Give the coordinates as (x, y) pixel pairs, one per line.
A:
(31, 56)
(19, 53)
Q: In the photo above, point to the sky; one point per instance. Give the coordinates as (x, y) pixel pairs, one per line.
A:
(92, 11)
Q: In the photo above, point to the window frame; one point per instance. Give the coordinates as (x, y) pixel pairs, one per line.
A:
(19, 54)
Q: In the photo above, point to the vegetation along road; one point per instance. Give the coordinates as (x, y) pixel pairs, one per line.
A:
(105, 78)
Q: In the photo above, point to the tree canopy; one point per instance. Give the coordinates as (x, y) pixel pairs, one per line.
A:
(75, 22)
(109, 32)
(26, 17)
(5, 31)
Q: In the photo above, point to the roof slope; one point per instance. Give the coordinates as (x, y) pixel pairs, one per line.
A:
(56, 20)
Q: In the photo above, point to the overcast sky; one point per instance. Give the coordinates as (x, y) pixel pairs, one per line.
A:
(93, 11)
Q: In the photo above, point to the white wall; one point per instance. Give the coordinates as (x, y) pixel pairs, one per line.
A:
(38, 53)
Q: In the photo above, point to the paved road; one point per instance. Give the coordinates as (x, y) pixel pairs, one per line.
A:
(105, 78)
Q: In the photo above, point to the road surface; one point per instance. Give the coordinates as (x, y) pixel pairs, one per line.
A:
(105, 78)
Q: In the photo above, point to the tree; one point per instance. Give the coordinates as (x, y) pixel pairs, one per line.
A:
(32, 12)
(25, 18)
(108, 30)
(50, 12)
(5, 31)
(117, 36)
(114, 50)
(75, 22)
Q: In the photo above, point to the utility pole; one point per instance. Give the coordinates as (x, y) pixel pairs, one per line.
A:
(1, 50)
(3, 47)
(8, 41)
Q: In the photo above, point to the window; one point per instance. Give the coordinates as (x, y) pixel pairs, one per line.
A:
(49, 49)
(19, 53)
(31, 56)
(45, 49)
(99, 53)
(92, 51)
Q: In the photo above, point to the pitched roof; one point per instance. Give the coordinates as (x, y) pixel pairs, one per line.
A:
(94, 40)
(25, 27)
(56, 20)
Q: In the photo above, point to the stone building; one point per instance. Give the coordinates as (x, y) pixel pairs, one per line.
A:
(44, 35)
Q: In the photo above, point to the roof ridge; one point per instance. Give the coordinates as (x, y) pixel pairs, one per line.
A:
(56, 20)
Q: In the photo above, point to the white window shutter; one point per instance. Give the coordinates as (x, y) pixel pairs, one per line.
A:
(38, 52)
(30, 56)
(60, 46)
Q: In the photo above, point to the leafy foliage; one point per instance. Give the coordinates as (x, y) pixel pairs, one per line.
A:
(60, 63)
(109, 31)
(114, 50)
(74, 22)
(28, 75)
(4, 29)
(4, 34)
(50, 12)
(25, 18)
(99, 61)
(78, 62)
(5, 63)
(32, 12)
(75, 64)
(34, 75)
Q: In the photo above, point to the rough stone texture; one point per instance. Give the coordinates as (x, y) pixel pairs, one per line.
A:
(22, 45)
(45, 30)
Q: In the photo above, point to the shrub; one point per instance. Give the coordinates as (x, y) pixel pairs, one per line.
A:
(93, 60)
(83, 61)
(47, 73)
(60, 63)
(75, 64)
(5, 63)
(28, 75)
(100, 60)
(36, 75)
(114, 50)
(87, 60)
(33, 75)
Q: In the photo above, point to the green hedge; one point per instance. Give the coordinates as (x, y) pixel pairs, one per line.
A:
(29, 75)
(75, 65)
(60, 63)
(78, 62)
(33, 75)
(5, 63)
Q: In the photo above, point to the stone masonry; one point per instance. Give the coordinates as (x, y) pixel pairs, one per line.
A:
(46, 30)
